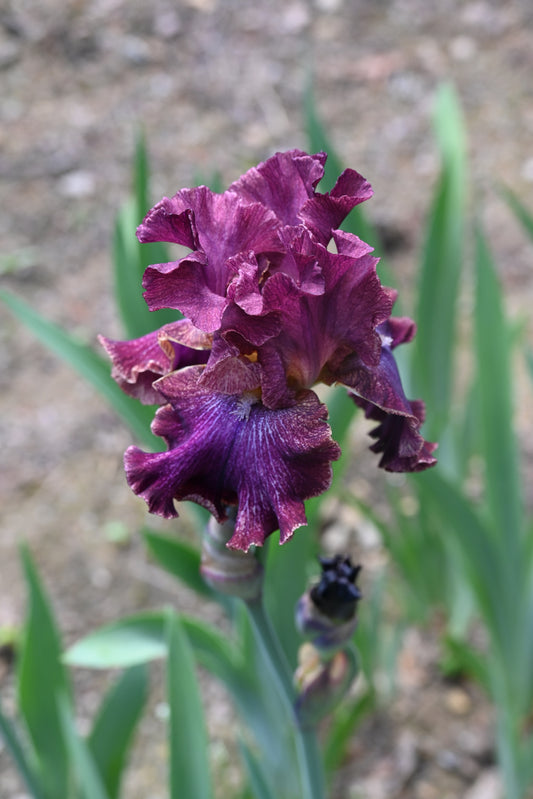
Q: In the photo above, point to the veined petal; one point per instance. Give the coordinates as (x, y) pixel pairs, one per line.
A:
(186, 286)
(318, 332)
(218, 227)
(323, 213)
(398, 439)
(227, 450)
(379, 392)
(283, 183)
(140, 362)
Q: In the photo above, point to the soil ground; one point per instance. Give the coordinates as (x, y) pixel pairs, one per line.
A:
(217, 85)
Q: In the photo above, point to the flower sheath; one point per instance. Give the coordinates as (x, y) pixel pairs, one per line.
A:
(276, 299)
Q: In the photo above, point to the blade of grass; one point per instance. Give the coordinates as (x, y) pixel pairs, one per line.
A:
(87, 777)
(88, 364)
(180, 559)
(260, 786)
(41, 677)
(188, 743)
(440, 269)
(500, 453)
(113, 729)
(15, 748)
(522, 213)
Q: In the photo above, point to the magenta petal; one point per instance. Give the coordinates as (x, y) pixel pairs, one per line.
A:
(283, 183)
(139, 362)
(379, 392)
(170, 220)
(232, 450)
(184, 285)
(323, 213)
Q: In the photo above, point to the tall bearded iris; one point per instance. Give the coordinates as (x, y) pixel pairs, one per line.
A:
(276, 299)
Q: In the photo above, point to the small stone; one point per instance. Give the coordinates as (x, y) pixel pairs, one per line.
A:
(458, 702)
(487, 786)
(77, 184)
(463, 48)
(9, 54)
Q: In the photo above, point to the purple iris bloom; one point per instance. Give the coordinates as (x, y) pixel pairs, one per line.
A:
(276, 299)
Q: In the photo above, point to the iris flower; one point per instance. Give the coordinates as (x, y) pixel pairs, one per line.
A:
(276, 299)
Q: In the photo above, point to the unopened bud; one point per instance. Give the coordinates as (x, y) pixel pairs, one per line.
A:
(229, 571)
(327, 612)
(321, 684)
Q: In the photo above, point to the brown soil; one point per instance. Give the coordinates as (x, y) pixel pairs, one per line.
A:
(217, 85)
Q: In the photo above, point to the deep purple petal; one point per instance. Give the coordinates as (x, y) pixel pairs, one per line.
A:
(379, 392)
(398, 439)
(139, 362)
(232, 450)
(283, 183)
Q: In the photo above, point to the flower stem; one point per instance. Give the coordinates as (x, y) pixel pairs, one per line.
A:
(309, 756)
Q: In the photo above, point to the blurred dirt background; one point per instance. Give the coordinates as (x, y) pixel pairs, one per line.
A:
(218, 85)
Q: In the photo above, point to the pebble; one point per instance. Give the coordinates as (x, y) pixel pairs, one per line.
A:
(458, 702)
(79, 183)
(9, 54)
(487, 786)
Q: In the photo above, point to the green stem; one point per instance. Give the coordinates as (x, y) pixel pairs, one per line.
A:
(309, 756)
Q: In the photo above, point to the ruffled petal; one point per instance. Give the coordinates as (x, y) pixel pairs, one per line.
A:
(140, 362)
(379, 392)
(398, 439)
(227, 450)
(323, 213)
(218, 227)
(318, 332)
(187, 286)
(283, 183)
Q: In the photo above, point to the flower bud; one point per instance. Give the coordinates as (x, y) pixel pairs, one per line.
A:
(321, 684)
(229, 571)
(327, 612)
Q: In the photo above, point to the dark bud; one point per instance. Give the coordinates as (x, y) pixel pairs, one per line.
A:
(336, 595)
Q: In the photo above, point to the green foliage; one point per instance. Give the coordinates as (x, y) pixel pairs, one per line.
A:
(189, 765)
(113, 728)
(51, 756)
(440, 268)
(41, 681)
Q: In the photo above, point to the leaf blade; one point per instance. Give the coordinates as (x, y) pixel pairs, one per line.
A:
(113, 729)
(188, 742)
(41, 677)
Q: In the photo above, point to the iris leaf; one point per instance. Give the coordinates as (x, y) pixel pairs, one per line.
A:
(15, 748)
(180, 559)
(434, 346)
(41, 679)
(500, 453)
(256, 775)
(188, 743)
(115, 724)
(141, 638)
(524, 216)
(121, 644)
(87, 777)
